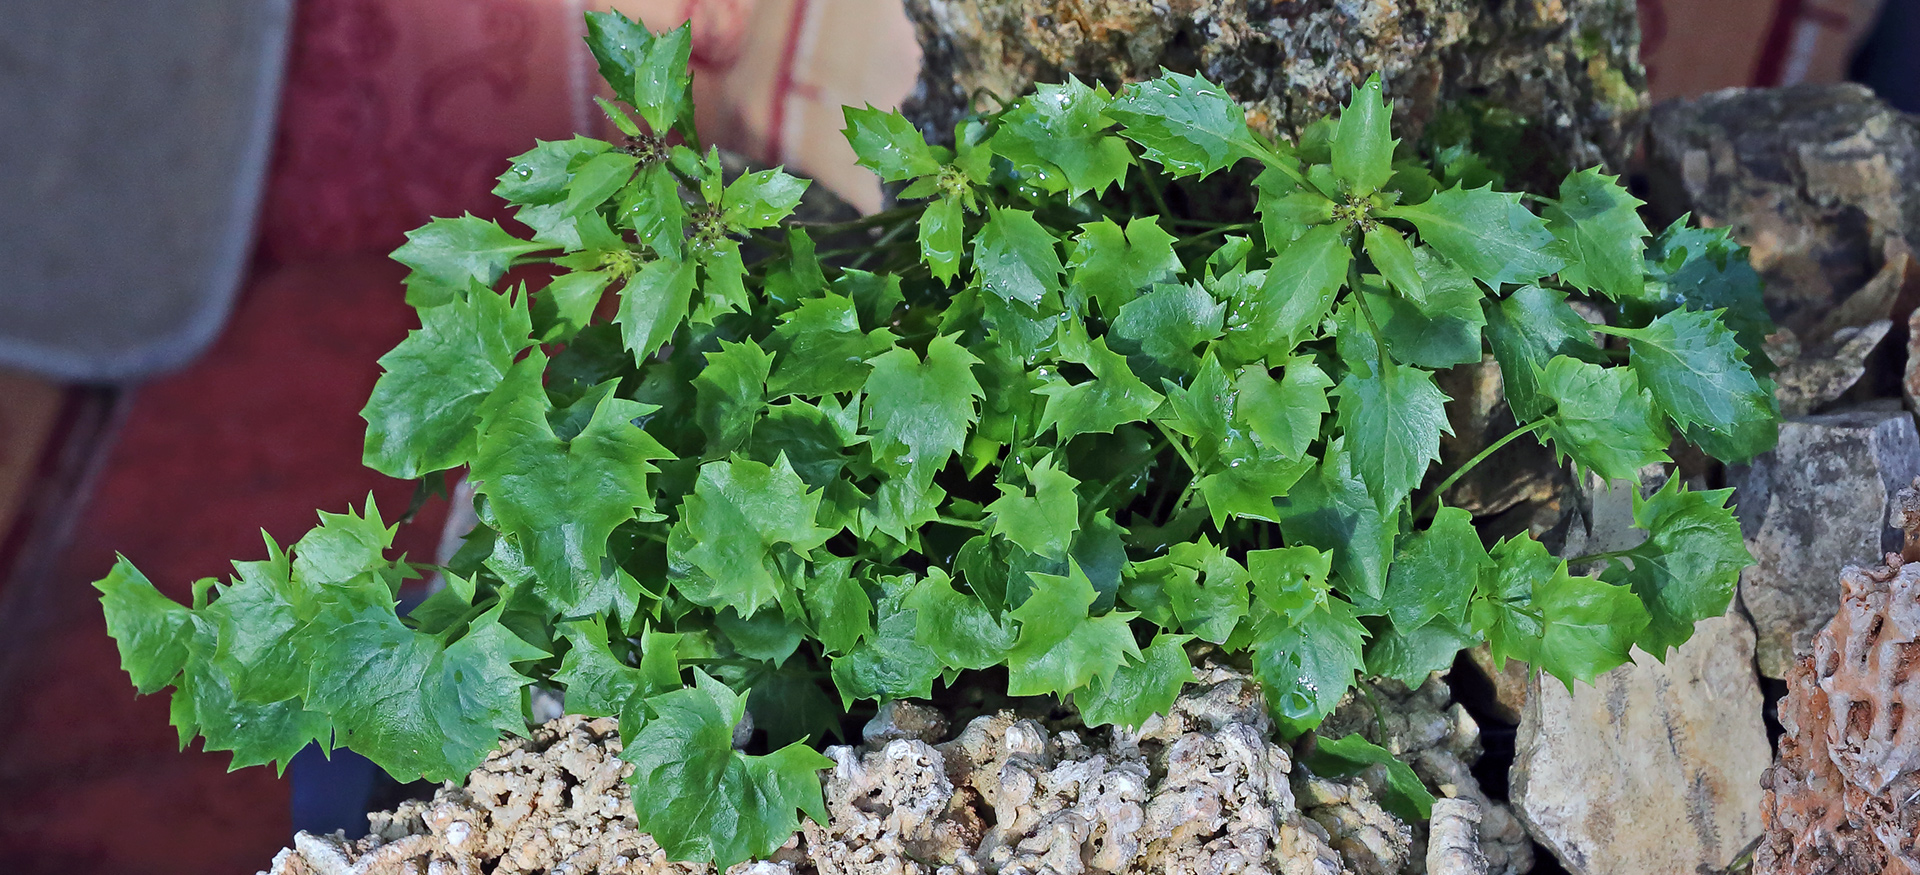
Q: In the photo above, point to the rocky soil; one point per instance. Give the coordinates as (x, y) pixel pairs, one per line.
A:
(1201, 791)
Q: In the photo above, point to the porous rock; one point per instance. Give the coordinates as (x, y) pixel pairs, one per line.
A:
(1655, 767)
(1201, 790)
(1816, 503)
(1425, 728)
(1567, 70)
(1841, 798)
(1822, 182)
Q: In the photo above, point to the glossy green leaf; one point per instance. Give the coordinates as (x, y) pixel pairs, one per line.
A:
(1058, 137)
(886, 143)
(1187, 124)
(424, 409)
(1016, 258)
(956, 626)
(1598, 233)
(1060, 648)
(1362, 144)
(1602, 418)
(740, 518)
(1686, 570)
(1139, 690)
(1488, 233)
(1110, 265)
(448, 255)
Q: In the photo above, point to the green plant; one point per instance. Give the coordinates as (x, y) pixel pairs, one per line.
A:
(1035, 420)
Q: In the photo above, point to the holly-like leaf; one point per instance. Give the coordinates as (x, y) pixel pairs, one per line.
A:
(1706, 269)
(1058, 137)
(1296, 295)
(1436, 571)
(956, 626)
(386, 687)
(1210, 600)
(256, 733)
(886, 143)
(561, 499)
(1598, 233)
(842, 613)
(1289, 582)
(1362, 143)
(943, 237)
(1015, 257)
(1488, 233)
(448, 255)
(1139, 690)
(1686, 569)
(1285, 414)
(1590, 626)
(702, 800)
(1187, 124)
(1167, 323)
(1042, 518)
(761, 199)
(892, 663)
(1305, 666)
(1602, 418)
(918, 409)
(424, 409)
(739, 512)
(1113, 397)
(654, 303)
(1110, 266)
(1287, 208)
(1693, 365)
(1330, 508)
(1393, 257)
(1393, 416)
(598, 684)
(1061, 648)
(732, 393)
(1527, 330)
(821, 349)
(1439, 331)
(151, 630)
(540, 175)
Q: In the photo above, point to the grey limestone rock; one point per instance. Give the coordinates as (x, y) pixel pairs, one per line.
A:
(1817, 503)
(1655, 767)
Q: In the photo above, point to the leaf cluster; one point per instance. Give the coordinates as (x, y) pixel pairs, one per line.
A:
(1037, 422)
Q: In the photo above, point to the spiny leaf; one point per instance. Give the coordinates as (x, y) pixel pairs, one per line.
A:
(1110, 266)
(740, 511)
(918, 409)
(1686, 569)
(957, 627)
(424, 409)
(886, 143)
(704, 801)
(1598, 233)
(448, 255)
(1015, 257)
(151, 630)
(1139, 690)
(1436, 571)
(1061, 648)
(1362, 144)
(1187, 124)
(1486, 232)
(1602, 418)
(1113, 397)
(1058, 136)
(1296, 296)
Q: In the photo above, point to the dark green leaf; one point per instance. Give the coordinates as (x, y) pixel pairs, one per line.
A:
(1139, 690)
(918, 410)
(1306, 666)
(1185, 123)
(957, 627)
(1602, 418)
(732, 393)
(1015, 257)
(423, 411)
(448, 255)
(1405, 796)
(1686, 569)
(1393, 416)
(1114, 396)
(1526, 331)
(740, 513)
(1436, 571)
(1297, 295)
(1598, 233)
(1696, 371)
(1061, 648)
(1043, 518)
(1331, 509)
(653, 304)
(1362, 144)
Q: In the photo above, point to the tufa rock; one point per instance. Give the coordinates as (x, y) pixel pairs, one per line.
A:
(1199, 791)
(1451, 845)
(1567, 72)
(1814, 504)
(1841, 799)
(1655, 767)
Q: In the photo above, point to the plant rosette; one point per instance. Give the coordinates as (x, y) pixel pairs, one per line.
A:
(1038, 421)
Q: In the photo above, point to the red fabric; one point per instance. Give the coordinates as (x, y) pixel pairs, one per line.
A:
(258, 434)
(393, 112)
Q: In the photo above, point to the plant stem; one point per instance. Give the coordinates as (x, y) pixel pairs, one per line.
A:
(883, 243)
(1219, 229)
(1434, 497)
(880, 218)
(976, 525)
(1180, 449)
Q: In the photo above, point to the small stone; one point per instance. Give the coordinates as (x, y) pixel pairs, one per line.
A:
(1816, 503)
(1509, 682)
(1655, 767)
(1821, 181)
(898, 719)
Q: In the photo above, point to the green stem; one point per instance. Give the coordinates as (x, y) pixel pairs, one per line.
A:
(1222, 229)
(1180, 449)
(1597, 557)
(880, 218)
(883, 243)
(1153, 188)
(1434, 496)
(976, 525)
(1271, 157)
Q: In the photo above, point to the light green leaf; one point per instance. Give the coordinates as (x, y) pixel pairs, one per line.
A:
(598, 684)
(886, 143)
(1043, 519)
(943, 237)
(1486, 232)
(1362, 143)
(561, 499)
(1058, 137)
(821, 349)
(1296, 296)
(702, 800)
(1211, 602)
(1597, 230)
(732, 393)
(1602, 418)
(1015, 257)
(1696, 371)
(151, 630)
(957, 627)
(1394, 259)
(1526, 331)
(540, 175)
(653, 304)
(448, 255)
(1345, 757)
(918, 410)
(1109, 265)
(1185, 123)
(1686, 569)
(1436, 571)
(1061, 648)
(739, 512)
(841, 611)
(1392, 416)
(892, 663)
(423, 411)
(1306, 666)
(1284, 415)
(761, 199)
(1139, 690)
(1113, 397)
